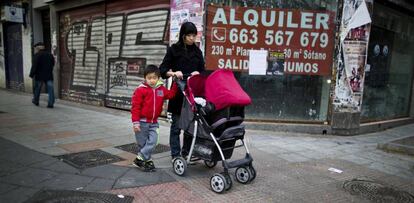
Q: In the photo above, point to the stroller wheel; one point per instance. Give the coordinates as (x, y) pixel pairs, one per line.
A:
(253, 172)
(228, 181)
(243, 175)
(179, 166)
(218, 183)
(210, 164)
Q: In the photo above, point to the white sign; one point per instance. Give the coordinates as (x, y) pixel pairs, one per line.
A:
(257, 62)
(13, 14)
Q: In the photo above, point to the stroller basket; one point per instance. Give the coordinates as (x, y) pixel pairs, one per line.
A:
(205, 147)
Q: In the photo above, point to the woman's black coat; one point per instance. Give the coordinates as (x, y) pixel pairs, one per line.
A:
(186, 59)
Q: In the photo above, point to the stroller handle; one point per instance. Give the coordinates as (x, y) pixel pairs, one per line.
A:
(181, 83)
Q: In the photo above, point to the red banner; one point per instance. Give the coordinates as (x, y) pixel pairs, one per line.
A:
(305, 37)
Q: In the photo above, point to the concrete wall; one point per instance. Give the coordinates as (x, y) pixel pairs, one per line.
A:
(38, 4)
(27, 57)
(37, 26)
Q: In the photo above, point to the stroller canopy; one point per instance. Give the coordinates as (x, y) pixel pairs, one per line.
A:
(223, 90)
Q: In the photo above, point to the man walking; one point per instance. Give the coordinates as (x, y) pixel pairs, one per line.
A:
(42, 72)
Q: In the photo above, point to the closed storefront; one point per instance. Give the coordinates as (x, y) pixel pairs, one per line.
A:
(105, 46)
(389, 73)
(301, 32)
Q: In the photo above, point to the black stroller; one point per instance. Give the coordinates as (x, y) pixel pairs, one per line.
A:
(213, 111)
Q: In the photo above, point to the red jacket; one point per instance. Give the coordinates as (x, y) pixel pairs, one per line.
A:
(147, 102)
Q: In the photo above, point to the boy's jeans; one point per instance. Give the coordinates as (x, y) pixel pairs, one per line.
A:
(50, 92)
(147, 139)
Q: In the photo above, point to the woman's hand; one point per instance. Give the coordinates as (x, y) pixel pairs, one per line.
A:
(179, 74)
(195, 73)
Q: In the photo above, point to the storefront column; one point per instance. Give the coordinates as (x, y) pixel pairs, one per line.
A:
(350, 66)
(54, 30)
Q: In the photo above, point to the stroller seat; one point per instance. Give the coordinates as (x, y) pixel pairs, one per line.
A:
(235, 132)
(225, 118)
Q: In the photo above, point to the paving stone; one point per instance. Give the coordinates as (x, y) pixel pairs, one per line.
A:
(8, 167)
(357, 159)
(29, 177)
(172, 192)
(20, 154)
(100, 184)
(77, 196)
(135, 177)
(67, 182)
(112, 150)
(56, 166)
(106, 171)
(58, 134)
(84, 146)
(18, 195)
(4, 187)
(120, 140)
(292, 157)
(312, 154)
(52, 151)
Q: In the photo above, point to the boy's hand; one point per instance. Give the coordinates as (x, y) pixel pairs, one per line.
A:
(136, 128)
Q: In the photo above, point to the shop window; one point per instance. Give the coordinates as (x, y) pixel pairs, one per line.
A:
(286, 97)
(390, 63)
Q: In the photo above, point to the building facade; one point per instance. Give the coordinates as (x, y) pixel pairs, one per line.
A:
(325, 67)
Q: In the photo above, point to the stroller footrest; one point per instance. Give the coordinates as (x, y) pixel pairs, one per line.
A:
(240, 162)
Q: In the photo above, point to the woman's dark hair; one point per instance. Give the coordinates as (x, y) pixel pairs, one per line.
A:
(151, 69)
(186, 28)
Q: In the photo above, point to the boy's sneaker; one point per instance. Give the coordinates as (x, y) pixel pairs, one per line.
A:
(149, 166)
(138, 162)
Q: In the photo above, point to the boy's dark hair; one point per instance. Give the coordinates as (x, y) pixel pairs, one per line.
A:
(152, 69)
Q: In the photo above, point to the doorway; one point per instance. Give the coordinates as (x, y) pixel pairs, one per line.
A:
(13, 56)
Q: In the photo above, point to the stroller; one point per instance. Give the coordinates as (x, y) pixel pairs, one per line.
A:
(215, 126)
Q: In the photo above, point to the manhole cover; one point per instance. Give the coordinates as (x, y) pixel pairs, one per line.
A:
(133, 148)
(377, 192)
(88, 159)
(64, 196)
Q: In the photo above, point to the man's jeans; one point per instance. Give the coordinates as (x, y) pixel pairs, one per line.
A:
(50, 92)
(147, 139)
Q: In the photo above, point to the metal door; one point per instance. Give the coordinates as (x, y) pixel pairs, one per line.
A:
(13, 56)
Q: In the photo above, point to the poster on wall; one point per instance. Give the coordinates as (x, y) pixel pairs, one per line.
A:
(305, 37)
(352, 58)
(186, 11)
(275, 63)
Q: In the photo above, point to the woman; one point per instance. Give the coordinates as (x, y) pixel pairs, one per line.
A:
(183, 58)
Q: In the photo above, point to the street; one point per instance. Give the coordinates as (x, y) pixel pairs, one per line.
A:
(291, 167)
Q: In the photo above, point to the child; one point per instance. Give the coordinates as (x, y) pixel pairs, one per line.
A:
(147, 102)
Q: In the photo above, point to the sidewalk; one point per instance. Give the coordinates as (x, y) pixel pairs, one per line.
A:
(291, 167)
